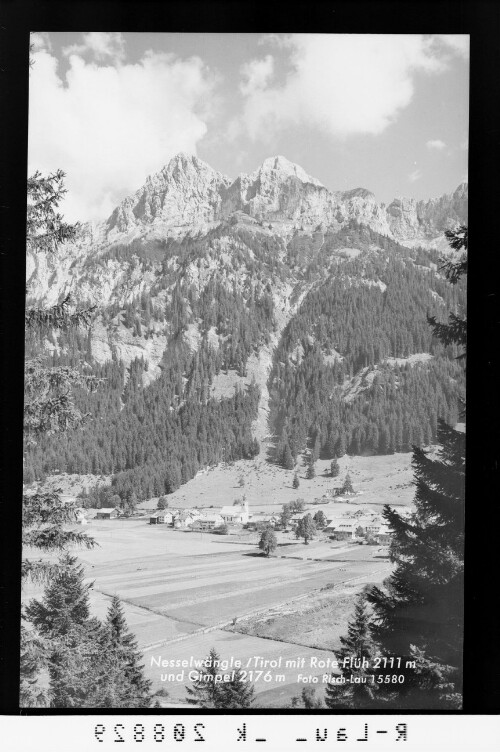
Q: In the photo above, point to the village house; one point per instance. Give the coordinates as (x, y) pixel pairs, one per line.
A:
(371, 525)
(294, 519)
(162, 517)
(107, 513)
(185, 518)
(347, 530)
(262, 519)
(238, 514)
(383, 534)
(208, 522)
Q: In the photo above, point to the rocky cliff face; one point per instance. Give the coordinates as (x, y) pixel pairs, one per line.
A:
(411, 220)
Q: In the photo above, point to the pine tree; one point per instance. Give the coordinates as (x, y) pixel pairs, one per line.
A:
(334, 468)
(206, 691)
(311, 471)
(422, 604)
(305, 529)
(286, 516)
(45, 528)
(287, 458)
(238, 692)
(296, 482)
(356, 661)
(65, 602)
(455, 331)
(48, 405)
(48, 408)
(420, 612)
(81, 669)
(77, 665)
(132, 688)
(347, 488)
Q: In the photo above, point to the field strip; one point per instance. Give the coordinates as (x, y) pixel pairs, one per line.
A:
(243, 591)
(209, 598)
(199, 577)
(148, 573)
(136, 590)
(249, 615)
(118, 564)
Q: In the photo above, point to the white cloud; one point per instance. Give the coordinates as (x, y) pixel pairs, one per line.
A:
(436, 143)
(459, 44)
(340, 84)
(102, 45)
(109, 126)
(40, 40)
(256, 75)
(415, 175)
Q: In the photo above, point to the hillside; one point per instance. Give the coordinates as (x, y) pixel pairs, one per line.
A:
(266, 310)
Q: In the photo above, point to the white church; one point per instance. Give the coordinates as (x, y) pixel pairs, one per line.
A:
(237, 514)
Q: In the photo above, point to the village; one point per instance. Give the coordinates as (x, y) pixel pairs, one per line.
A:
(359, 525)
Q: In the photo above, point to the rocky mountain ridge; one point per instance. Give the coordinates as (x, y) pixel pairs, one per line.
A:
(188, 192)
(187, 198)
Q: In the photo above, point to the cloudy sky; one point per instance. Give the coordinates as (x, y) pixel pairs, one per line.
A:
(384, 112)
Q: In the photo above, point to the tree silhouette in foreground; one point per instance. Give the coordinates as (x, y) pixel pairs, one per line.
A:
(420, 613)
(134, 690)
(355, 659)
(211, 690)
(48, 408)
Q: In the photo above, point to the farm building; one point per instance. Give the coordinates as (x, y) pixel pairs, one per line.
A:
(294, 520)
(209, 522)
(372, 526)
(384, 534)
(237, 514)
(262, 519)
(162, 517)
(345, 530)
(185, 518)
(107, 513)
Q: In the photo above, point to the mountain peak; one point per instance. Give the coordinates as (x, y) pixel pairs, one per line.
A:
(283, 166)
(186, 191)
(357, 193)
(187, 158)
(188, 163)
